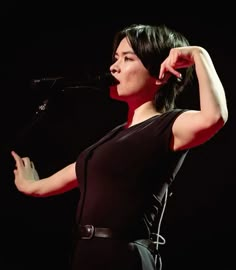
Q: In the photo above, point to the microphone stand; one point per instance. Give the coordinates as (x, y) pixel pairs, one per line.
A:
(37, 116)
(48, 88)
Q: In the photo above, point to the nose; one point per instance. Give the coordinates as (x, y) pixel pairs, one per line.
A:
(114, 68)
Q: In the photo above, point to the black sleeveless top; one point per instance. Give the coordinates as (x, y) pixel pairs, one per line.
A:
(122, 176)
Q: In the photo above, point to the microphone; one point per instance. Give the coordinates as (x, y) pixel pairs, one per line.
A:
(99, 81)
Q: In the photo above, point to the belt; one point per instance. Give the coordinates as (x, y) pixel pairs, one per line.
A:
(89, 232)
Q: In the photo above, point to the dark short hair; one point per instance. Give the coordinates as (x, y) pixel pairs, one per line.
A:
(152, 45)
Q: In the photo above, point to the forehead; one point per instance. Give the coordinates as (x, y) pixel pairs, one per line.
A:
(124, 46)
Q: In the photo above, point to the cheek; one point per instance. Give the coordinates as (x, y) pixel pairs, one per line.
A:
(137, 79)
(136, 84)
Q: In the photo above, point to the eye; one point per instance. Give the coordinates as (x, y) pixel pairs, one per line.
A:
(126, 58)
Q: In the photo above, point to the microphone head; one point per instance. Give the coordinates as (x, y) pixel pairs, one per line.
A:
(53, 84)
(105, 80)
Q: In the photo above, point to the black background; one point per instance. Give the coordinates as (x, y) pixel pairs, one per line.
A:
(70, 40)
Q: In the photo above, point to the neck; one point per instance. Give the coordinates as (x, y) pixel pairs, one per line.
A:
(141, 113)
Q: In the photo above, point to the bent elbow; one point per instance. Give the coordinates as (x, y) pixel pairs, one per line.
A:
(224, 116)
(221, 119)
(218, 122)
(211, 125)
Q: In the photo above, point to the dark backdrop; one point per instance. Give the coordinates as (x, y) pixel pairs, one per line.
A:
(54, 125)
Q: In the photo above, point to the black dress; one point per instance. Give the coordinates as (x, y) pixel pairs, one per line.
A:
(121, 182)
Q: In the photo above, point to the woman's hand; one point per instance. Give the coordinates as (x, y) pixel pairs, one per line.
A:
(180, 57)
(26, 178)
(24, 172)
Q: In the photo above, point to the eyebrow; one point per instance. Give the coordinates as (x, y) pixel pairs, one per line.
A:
(126, 52)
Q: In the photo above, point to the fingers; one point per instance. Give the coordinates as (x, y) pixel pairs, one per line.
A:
(26, 162)
(17, 159)
(168, 69)
(32, 164)
(164, 76)
(14, 154)
(178, 58)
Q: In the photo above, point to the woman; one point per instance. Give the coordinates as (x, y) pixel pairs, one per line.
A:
(124, 177)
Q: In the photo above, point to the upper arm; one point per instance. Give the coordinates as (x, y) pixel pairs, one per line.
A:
(192, 128)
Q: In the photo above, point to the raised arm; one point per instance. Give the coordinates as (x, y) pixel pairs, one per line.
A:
(193, 127)
(27, 180)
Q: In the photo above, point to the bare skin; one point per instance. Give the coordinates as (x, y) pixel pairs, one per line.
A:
(137, 88)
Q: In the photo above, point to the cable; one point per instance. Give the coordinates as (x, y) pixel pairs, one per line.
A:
(163, 241)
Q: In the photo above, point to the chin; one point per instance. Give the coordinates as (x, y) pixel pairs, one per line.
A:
(114, 93)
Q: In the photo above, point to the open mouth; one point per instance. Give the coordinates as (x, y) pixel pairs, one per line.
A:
(112, 80)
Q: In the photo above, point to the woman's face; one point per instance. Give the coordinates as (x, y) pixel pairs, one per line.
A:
(134, 79)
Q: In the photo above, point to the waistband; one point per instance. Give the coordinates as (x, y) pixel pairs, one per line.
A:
(89, 231)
